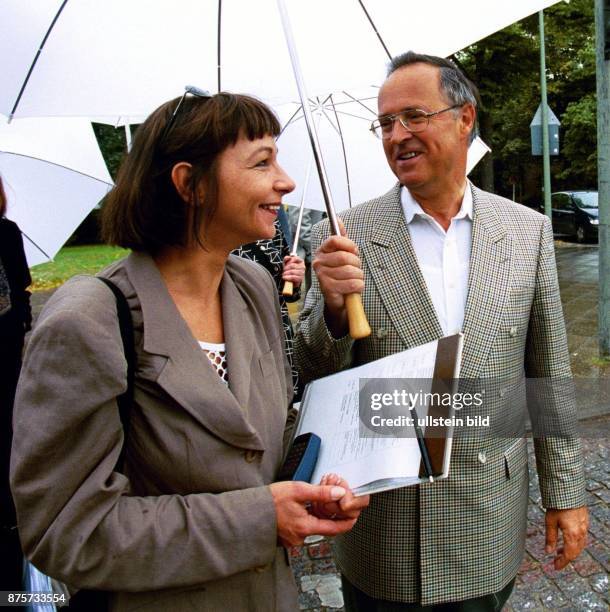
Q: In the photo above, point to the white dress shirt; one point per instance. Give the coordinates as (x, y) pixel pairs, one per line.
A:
(443, 257)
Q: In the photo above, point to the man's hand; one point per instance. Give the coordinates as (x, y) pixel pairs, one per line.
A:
(574, 524)
(339, 273)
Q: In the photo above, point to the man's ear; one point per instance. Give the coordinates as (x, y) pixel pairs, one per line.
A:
(181, 178)
(468, 118)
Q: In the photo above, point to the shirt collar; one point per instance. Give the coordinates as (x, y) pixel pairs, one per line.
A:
(411, 207)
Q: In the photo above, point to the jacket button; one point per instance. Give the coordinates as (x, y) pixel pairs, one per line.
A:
(512, 332)
(382, 332)
(250, 455)
(260, 569)
(482, 457)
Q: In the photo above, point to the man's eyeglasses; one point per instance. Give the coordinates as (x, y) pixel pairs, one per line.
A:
(189, 89)
(413, 120)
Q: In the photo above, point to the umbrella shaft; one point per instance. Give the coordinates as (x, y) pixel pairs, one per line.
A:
(311, 130)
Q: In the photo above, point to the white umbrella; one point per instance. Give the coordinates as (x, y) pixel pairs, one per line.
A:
(54, 175)
(116, 58)
(355, 163)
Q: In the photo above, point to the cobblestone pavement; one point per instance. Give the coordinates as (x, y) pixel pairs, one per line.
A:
(581, 586)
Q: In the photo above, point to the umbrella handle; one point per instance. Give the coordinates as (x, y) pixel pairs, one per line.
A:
(358, 325)
(288, 289)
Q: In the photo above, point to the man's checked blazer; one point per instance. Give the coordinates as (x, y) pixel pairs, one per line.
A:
(462, 537)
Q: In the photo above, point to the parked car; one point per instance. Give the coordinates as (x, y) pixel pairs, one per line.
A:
(575, 214)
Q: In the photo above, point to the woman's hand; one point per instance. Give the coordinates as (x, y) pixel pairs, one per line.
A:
(294, 270)
(294, 520)
(347, 507)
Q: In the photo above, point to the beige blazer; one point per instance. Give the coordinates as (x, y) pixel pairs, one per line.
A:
(462, 537)
(191, 525)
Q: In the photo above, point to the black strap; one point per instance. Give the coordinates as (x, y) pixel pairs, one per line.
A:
(124, 401)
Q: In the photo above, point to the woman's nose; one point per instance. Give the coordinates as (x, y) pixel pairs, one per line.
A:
(284, 183)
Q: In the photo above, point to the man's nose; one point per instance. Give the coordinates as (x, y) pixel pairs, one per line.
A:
(399, 132)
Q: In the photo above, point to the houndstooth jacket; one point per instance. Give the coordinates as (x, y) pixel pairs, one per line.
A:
(462, 537)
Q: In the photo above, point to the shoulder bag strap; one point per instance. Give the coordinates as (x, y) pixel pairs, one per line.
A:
(125, 400)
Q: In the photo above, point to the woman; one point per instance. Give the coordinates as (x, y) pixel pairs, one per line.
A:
(15, 321)
(274, 255)
(195, 519)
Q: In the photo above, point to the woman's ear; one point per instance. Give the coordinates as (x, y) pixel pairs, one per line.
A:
(181, 178)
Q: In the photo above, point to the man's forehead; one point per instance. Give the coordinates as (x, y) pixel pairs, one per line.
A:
(419, 81)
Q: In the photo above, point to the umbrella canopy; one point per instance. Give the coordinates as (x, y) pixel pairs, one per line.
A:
(54, 175)
(354, 159)
(116, 58)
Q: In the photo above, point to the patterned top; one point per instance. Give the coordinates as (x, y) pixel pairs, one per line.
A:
(270, 254)
(217, 354)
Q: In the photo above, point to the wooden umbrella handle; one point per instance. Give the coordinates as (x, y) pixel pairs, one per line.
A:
(288, 289)
(358, 325)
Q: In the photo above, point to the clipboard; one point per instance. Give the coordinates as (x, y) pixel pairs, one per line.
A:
(372, 463)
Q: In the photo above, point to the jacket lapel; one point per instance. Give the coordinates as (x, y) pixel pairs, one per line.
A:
(393, 265)
(488, 284)
(187, 375)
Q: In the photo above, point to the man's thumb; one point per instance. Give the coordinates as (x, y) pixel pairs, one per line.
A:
(551, 538)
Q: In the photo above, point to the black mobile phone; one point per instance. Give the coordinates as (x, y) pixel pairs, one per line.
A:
(301, 458)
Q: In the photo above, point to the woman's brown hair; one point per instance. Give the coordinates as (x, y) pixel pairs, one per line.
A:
(2, 199)
(144, 212)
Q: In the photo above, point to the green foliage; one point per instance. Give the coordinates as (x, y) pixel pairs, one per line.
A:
(74, 260)
(579, 126)
(112, 144)
(506, 67)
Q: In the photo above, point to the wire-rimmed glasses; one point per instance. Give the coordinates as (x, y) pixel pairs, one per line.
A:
(412, 119)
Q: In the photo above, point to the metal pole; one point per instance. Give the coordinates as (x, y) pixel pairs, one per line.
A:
(297, 231)
(288, 288)
(358, 324)
(128, 136)
(311, 130)
(603, 173)
(546, 160)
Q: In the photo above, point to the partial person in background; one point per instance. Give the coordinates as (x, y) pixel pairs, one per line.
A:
(15, 321)
(310, 218)
(274, 255)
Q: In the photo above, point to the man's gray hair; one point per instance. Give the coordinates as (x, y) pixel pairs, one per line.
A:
(455, 86)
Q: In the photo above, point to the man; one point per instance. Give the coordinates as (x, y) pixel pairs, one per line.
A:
(433, 256)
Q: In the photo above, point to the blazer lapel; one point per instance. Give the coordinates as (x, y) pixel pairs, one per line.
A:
(395, 270)
(488, 284)
(187, 375)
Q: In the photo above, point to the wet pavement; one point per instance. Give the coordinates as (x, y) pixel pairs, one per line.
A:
(584, 584)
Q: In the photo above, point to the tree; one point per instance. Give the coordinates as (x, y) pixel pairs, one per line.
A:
(506, 68)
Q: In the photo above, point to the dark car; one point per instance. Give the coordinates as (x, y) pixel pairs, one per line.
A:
(575, 214)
